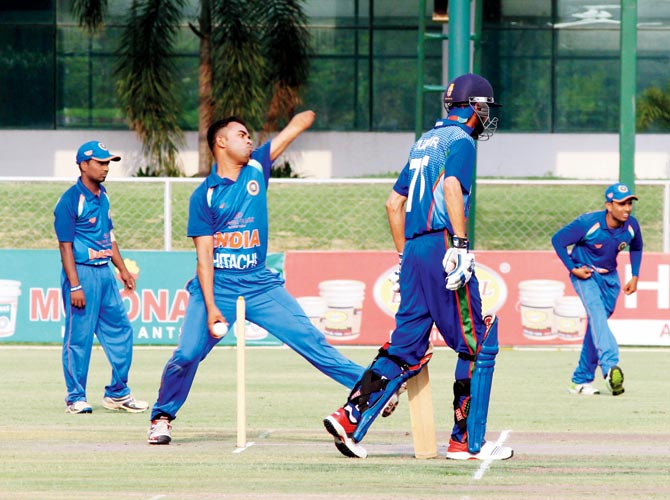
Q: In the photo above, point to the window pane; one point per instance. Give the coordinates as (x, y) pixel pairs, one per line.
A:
(86, 80)
(27, 76)
(518, 65)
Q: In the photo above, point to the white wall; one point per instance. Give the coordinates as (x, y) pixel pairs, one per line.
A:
(356, 154)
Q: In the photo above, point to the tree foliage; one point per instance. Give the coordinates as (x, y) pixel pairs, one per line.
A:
(253, 62)
(653, 109)
(89, 14)
(146, 70)
(238, 61)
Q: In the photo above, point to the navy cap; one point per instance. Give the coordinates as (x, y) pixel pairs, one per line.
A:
(95, 150)
(618, 192)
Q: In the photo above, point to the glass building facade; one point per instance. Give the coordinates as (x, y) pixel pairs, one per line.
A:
(554, 64)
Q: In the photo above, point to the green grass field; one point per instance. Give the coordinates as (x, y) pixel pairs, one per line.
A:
(566, 446)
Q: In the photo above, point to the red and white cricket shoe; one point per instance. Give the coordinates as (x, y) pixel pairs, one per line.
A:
(339, 425)
(489, 451)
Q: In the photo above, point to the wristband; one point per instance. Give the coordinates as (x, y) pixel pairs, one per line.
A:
(459, 242)
(76, 288)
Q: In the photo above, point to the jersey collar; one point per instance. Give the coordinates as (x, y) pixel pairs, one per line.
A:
(87, 192)
(213, 179)
(443, 122)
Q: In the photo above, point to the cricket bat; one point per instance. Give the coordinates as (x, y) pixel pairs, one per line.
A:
(421, 415)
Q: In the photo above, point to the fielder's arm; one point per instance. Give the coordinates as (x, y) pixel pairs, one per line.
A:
(77, 298)
(298, 124)
(204, 250)
(117, 260)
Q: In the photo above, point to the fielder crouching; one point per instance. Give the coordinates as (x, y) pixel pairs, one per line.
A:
(427, 212)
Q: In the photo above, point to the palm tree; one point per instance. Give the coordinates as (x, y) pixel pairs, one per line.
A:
(254, 57)
(653, 109)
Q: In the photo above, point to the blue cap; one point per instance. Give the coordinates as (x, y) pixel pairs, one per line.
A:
(95, 150)
(618, 192)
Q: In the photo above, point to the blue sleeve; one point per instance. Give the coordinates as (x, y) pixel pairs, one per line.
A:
(566, 236)
(636, 245)
(199, 215)
(401, 185)
(262, 156)
(460, 163)
(109, 211)
(65, 218)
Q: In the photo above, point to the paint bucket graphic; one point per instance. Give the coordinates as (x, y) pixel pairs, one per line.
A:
(315, 308)
(345, 308)
(9, 304)
(536, 300)
(569, 318)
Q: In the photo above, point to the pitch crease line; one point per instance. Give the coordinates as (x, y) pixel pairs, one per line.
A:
(247, 446)
(487, 463)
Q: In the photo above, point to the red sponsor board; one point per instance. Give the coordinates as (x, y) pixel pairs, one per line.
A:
(349, 297)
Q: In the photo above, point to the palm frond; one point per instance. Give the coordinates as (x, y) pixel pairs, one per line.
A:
(238, 62)
(146, 73)
(89, 14)
(287, 41)
(287, 45)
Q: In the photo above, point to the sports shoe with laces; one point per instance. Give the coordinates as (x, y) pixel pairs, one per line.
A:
(392, 403)
(584, 389)
(79, 407)
(341, 428)
(159, 431)
(127, 403)
(489, 451)
(614, 380)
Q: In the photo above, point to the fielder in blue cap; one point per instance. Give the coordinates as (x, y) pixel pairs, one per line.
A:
(596, 239)
(90, 291)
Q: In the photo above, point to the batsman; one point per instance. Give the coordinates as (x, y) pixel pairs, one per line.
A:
(427, 212)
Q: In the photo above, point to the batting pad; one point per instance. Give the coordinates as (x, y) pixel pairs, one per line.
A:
(369, 415)
(480, 388)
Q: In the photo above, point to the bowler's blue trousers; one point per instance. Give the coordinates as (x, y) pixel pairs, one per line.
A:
(268, 305)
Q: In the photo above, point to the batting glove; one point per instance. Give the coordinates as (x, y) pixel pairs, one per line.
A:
(458, 264)
(395, 277)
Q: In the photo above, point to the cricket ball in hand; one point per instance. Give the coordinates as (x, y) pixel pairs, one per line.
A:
(219, 329)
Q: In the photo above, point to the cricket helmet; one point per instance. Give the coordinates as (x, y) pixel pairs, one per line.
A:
(469, 89)
(476, 92)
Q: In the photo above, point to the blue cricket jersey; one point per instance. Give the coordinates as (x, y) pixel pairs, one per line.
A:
(84, 219)
(597, 245)
(234, 213)
(444, 151)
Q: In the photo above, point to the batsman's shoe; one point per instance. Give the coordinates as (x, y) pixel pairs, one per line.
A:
(79, 407)
(614, 380)
(159, 431)
(584, 389)
(489, 451)
(392, 403)
(341, 428)
(127, 403)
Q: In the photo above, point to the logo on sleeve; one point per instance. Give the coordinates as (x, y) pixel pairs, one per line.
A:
(253, 188)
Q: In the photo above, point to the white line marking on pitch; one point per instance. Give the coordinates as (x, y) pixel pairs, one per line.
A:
(240, 450)
(486, 463)
(156, 497)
